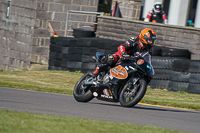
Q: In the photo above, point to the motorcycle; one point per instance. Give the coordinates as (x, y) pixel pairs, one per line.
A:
(125, 83)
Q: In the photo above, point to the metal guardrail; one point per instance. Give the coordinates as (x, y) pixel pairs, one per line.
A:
(80, 12)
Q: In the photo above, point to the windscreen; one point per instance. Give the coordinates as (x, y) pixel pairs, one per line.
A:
(146, 56)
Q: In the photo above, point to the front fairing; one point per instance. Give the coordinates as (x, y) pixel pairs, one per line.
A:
(125, 69)
(121, 72)
(145, 66)
(151, 72)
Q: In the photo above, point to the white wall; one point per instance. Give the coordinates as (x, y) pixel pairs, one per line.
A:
(178, 10)
(197, 17)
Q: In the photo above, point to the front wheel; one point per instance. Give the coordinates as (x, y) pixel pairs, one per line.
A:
(81, 92)
(131, 94)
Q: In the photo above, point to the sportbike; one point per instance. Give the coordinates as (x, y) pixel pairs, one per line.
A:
(125, 83)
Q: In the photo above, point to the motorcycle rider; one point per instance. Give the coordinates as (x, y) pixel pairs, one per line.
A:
(142, 43)
(156, 15)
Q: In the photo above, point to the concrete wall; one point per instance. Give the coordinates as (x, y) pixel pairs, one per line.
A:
(167, 35)
(55, 11)
(16, 34)
(25, 36)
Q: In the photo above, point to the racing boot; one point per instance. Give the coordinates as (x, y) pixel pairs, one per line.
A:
(95, 73)
(99, 68)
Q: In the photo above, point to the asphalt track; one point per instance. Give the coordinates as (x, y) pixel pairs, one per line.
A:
(65, 105)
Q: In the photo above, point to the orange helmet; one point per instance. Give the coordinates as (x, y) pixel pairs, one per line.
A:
(147, 37)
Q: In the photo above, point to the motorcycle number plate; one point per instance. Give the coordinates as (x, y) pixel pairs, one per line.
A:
(119, 72)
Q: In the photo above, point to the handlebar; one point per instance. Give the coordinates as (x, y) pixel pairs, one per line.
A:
(129, 57)
(136, 55)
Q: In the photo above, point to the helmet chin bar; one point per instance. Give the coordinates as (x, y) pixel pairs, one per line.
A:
(149, 45)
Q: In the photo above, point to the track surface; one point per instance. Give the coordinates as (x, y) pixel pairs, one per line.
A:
(65, 105)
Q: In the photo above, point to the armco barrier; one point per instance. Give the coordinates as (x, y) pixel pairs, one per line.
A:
(173, 71)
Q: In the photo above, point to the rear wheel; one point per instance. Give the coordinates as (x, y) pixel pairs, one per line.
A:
(131, 94)
(81, 92)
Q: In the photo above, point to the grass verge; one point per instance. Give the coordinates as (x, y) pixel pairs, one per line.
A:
(63, 82)
(19, 122)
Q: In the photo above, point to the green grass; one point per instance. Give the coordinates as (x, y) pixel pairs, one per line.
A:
(174, 99)
(48, 81)
(19, 122)
(63, 82)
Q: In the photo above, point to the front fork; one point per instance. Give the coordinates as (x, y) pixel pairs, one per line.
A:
(132, 84)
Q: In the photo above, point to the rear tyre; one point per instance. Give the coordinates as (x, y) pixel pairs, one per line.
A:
(132, 94)
(82, 93)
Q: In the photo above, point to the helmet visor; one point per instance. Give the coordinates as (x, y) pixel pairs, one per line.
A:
(158, 6)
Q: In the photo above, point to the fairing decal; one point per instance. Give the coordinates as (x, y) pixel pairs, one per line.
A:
(119, 72)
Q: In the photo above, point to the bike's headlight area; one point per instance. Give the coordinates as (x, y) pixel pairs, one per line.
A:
(151, 70)
(148, 66)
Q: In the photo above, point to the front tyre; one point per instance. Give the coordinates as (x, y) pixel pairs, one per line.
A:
(81, 92)
(132, 94)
